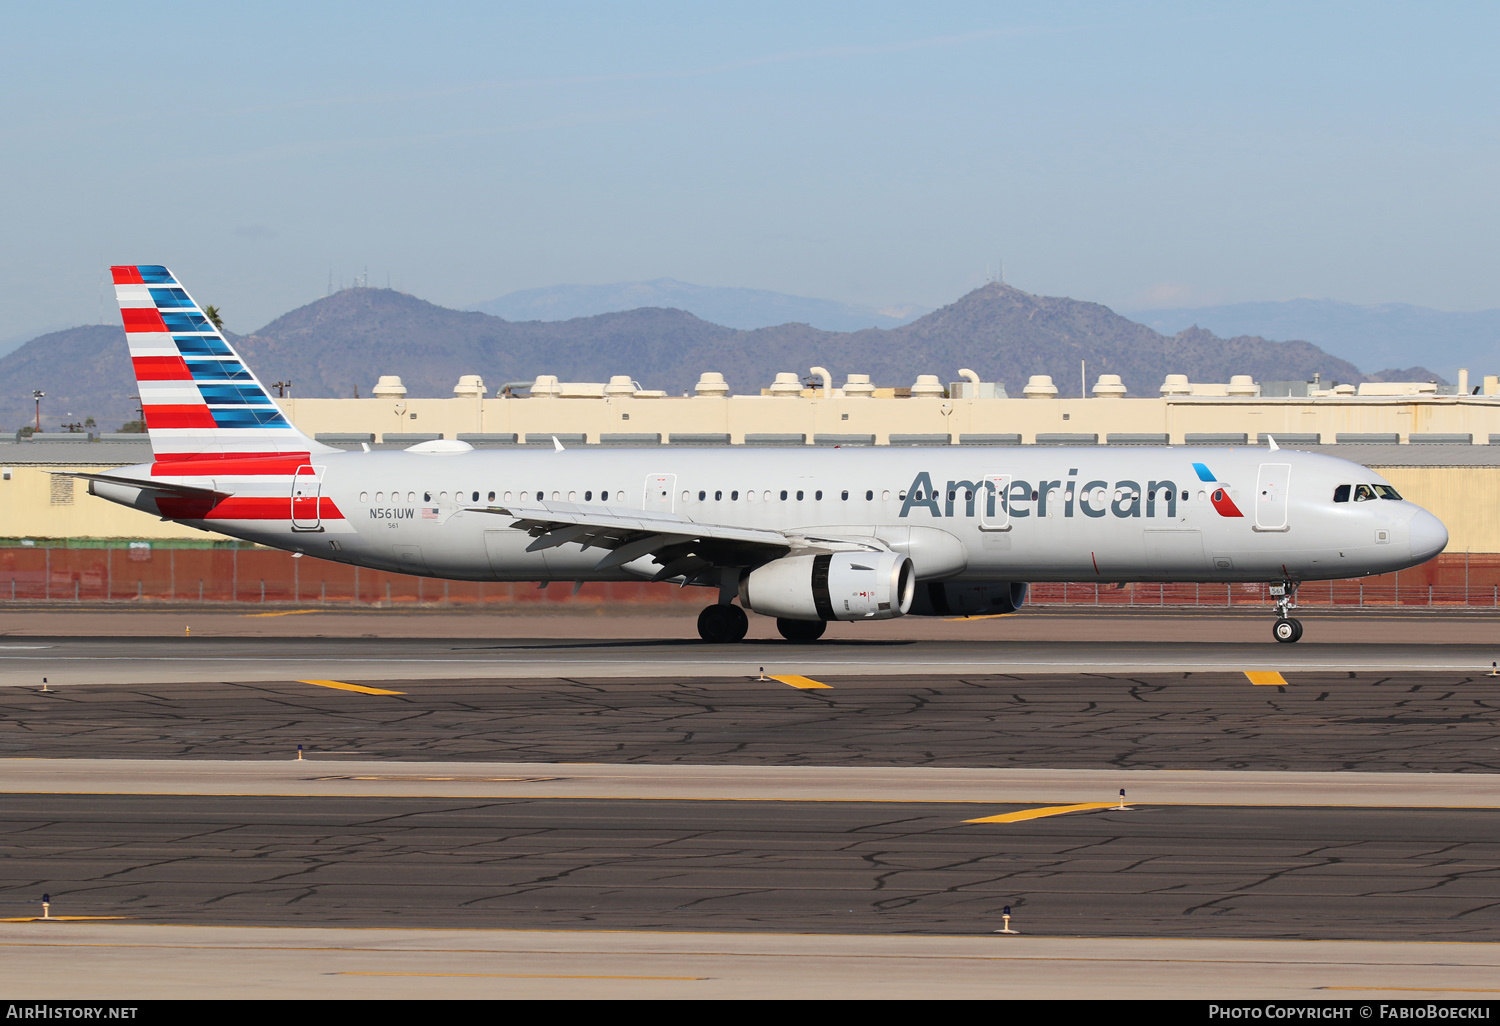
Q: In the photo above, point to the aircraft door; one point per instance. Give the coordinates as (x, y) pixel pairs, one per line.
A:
(994, 509)
(1272, 490)
(307, 490)
(660, 492)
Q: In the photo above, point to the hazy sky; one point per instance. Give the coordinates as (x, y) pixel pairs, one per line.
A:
(1136, 154)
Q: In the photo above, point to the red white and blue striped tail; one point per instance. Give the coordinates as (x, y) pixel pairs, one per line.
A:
(199, 398)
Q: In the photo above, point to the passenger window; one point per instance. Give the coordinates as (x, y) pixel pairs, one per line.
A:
(539, 496)
(1341, 493)
(426, 496)
(703, 495)
(379, 497)
(588, 496)
(475, 498)
(1363, 493)
(734, 496)
(869, 496)
(846, 496)
(718, 496)
(492, 497)
(799, 495)
(364, 496)
(818, 495)
(603, 496)
(442, 496)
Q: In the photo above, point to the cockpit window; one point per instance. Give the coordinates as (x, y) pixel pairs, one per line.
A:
(1363, 493)
(1341, 493)
(1386, 492)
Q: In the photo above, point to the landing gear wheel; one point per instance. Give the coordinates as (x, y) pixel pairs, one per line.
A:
(801, 630)
(1287, 630)
(1299, 630)
(723, 625)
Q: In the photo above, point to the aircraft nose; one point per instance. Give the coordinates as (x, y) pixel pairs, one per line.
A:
(1427, 534)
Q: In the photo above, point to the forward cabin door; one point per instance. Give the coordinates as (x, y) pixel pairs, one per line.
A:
(307, 490)
(1272, 490)
(660, 492)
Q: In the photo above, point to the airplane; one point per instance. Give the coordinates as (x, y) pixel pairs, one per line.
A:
(803, 535)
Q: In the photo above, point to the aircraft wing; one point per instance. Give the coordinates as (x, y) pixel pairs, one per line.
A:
(680, 546)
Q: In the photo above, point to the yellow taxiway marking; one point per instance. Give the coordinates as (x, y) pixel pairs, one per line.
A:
(801, 683)
(523, 976)
(1051, 810)
(286, 612)
(985, 616)
(340, 685)
(1266, 677)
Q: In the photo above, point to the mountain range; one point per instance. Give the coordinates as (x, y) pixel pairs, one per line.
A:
(338, 345)
(746, 309)
(1382, 335)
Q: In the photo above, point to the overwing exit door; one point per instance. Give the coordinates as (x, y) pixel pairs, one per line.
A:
(659, 493)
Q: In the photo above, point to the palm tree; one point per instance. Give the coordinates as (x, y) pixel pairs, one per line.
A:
(212, 313)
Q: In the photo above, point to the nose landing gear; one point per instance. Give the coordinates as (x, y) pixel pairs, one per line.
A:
(1286, 629)
(723, 624)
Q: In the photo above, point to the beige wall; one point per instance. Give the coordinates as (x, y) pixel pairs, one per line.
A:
(741, 415)
(37, 504)
(1465, 499)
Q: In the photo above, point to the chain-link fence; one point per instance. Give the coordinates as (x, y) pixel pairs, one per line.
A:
(143, 572)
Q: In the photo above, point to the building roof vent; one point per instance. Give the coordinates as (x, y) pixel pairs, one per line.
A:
(1109, 386)
(927, 386)
(858, 386)
(1039, 386)
(546, 387)
(711, 385)
(1176, 384)
(1242, 385)
(621, 386)
(470, 386)
(388, 387)
(786, 383)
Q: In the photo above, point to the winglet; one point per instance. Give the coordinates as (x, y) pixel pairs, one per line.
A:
(556, 444)
(1271, 444)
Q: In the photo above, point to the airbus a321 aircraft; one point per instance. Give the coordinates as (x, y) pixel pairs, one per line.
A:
(805, 535)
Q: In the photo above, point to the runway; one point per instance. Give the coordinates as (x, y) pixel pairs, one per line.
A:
(117, 661)
(637, 815)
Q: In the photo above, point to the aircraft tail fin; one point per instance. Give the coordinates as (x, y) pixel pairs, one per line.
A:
(199, 398)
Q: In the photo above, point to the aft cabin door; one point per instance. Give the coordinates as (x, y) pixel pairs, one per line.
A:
(660, 489)
(307, 488)
(1271, 489)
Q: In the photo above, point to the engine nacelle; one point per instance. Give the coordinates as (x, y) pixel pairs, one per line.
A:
(968, 598)
(833, 586)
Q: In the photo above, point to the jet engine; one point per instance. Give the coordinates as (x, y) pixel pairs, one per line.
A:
(832, 586)
(968, 598)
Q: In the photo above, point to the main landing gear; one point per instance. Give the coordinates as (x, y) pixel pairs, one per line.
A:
(801, 630)
(1286, 629)
(723, 624)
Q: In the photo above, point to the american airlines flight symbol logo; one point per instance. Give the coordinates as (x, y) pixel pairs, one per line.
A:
(1223, 504)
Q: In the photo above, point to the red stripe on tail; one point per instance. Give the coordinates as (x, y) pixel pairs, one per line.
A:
(142, 319)
(179, 417)
(161, 368)
(127, 275)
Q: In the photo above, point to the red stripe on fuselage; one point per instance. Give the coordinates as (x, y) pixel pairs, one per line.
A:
(161, 368)
(249, 464)
(243, 507)
(142, 319)
(179, 417)
(127, 274)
